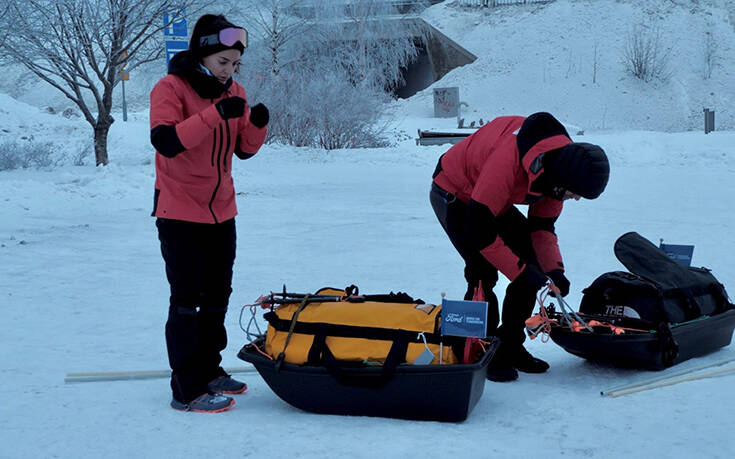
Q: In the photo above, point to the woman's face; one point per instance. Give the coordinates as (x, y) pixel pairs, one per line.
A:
(222, 64)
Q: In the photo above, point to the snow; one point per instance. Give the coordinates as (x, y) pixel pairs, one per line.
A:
(84, 288)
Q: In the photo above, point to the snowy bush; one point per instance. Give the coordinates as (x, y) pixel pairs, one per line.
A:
(14, 155)
(645, 55)
(325, 77)
(322, 110)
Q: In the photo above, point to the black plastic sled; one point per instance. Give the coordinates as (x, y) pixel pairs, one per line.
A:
(657, 315)
(652, 350)
(418, 392)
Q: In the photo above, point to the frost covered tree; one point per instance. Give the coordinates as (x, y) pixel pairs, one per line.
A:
(278, 24)
(325, 68)
(4, 7)
(373, 41)
(80, 46)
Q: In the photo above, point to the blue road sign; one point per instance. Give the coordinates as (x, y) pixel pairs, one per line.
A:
(174, 28)
(173, 47)
(464, 318)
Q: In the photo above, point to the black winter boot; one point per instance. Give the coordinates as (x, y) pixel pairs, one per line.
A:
(523, 361)
(500, 369)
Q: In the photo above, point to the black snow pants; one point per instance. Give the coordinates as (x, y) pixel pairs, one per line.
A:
(513, 228)
(199, 259)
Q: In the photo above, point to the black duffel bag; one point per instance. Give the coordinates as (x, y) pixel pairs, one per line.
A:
(655, 316)
(657, 289)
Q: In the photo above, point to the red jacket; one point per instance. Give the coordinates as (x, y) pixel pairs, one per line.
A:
(499, 166)
(195, 145)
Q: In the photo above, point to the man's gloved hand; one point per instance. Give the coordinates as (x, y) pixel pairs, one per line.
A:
(231, 107)
(560, 280)
(531, 278)
(259, 115)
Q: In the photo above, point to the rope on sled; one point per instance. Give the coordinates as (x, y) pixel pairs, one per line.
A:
(540, 324)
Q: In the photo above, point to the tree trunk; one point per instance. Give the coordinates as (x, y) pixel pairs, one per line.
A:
(101, 129)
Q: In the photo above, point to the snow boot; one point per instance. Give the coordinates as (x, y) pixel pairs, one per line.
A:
(523, 361)
(500, 369)
(227, 385)
(205, 403)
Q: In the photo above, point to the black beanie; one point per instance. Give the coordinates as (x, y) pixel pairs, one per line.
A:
(210, 24)
(581, 168)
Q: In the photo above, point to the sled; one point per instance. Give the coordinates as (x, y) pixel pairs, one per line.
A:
(418, 392)
(651, 349)
(657, 315)
(433, 391)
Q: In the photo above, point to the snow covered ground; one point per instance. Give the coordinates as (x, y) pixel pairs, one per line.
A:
(84, 289)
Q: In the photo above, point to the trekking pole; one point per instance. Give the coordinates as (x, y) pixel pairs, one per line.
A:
(674, 378)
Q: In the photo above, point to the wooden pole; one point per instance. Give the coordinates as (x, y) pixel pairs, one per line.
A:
(129, 375)
(671, 381)
(653, 382)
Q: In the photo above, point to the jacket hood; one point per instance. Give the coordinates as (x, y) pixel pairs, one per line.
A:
(539, 134)
(185, 65)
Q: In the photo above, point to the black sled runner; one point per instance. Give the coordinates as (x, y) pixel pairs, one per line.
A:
(657, 315)
(351, 355)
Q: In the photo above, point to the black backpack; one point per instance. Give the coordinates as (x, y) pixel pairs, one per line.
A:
(656, 289)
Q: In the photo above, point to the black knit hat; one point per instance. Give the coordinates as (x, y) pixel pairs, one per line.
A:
(581, 168)
(210, 24)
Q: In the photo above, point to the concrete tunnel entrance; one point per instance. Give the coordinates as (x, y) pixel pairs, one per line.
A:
(438, 55)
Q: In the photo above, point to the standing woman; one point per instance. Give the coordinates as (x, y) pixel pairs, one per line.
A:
(199, 118)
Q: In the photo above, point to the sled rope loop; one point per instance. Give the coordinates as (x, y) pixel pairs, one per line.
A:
(540, 324)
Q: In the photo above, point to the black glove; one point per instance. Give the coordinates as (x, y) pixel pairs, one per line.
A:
(259, 115)
(531, 278)
(560, 280)
(231, 107)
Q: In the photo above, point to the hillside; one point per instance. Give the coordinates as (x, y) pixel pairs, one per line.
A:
(542, 57)
(530, 58)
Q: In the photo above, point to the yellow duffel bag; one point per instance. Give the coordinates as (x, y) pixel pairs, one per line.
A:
(372, 329)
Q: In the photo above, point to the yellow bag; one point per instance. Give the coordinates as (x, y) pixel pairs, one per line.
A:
(348, 331)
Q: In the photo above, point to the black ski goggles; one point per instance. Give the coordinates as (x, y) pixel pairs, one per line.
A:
(227, 37)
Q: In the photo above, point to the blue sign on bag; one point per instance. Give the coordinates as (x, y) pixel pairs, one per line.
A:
(682, 254)
(173, 47)
(174, 28)
(464, 318)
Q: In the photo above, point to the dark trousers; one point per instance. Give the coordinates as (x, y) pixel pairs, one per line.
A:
(512, 227)
(199, 259)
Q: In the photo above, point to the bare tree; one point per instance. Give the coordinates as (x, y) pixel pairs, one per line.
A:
(324, 68)
(373, 41)
(4, 7)
(645, 54)
(710, 54)
(80, 46)
(595, 61)
(277, 24)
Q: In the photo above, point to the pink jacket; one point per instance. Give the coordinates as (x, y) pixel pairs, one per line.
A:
(196, 184)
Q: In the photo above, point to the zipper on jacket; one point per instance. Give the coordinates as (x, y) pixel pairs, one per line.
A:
(227, 148)
(214, 140)
(219, 173)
